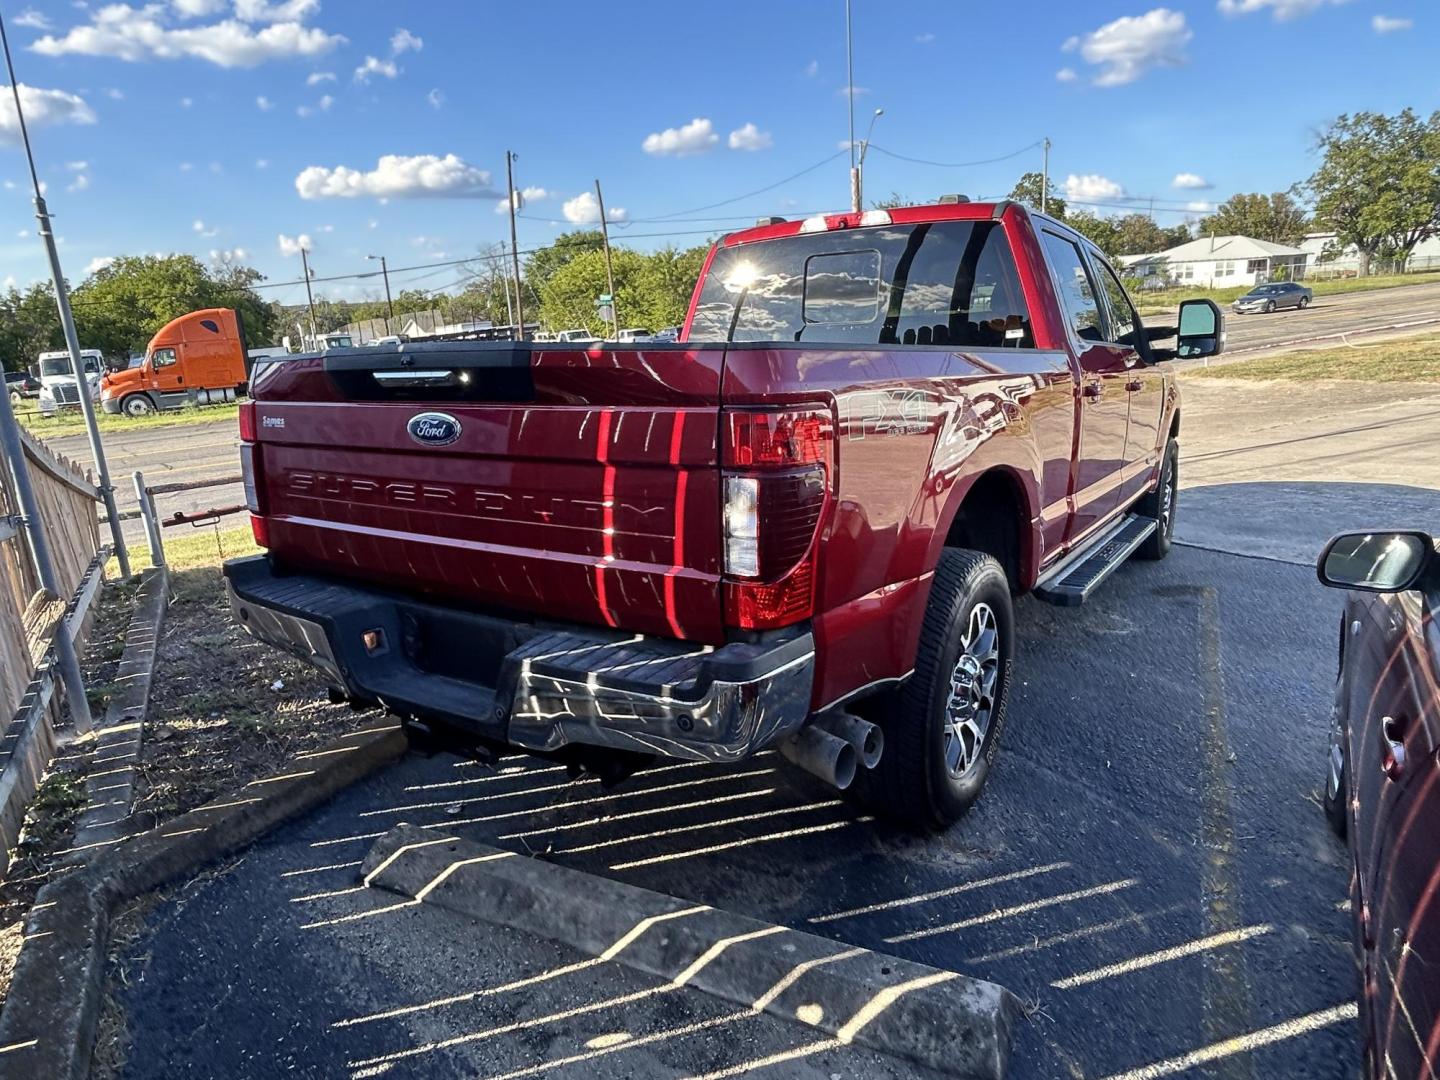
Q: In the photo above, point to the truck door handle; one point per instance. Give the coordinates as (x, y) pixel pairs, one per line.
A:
(1392, 748)
(1092, 389)
(1133, 385)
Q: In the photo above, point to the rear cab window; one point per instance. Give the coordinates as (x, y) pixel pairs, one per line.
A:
(948, 283)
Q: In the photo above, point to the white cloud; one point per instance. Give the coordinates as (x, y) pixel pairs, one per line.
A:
(1280, 10)
(524, 197)
(924, 39)
(263, 103)
(23, 233)
(436, 98)
(1066, 74)
(290, 246)
(203, 229)
(1191, 181)
(404, 41)
(315, 78)
(1092, 186)
(186, 166)
(216, 168)
(80, 183)
(136, 34)
(262, 163)
(375, 66)
(186, 102)
(750, 137)
(115, 94)
(1389, 24)
(77, 166)
(42, 108)
(263, 11)
(32, 20)
(1200, 206)
(1133, 44)
(812, 69)
(100, 262)
(853, 91)
(198, 9)
(323, 105)
(11, 281)
(584, 209)
(225, 256)
(696, 137)
(372, 224)
(398, 176)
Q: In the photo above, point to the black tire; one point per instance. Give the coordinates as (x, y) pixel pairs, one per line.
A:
(1304, 302)
(1160, 503)
(137, 405)
(1336, 796)
(1269, 306)
(912, 784)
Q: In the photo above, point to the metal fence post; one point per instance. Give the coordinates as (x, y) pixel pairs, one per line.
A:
(152, 523)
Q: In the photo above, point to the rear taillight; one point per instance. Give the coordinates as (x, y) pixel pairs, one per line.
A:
(778, 473)
(252, 473)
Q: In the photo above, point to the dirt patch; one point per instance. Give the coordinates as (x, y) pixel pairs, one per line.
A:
(50, 821)
(224, 709)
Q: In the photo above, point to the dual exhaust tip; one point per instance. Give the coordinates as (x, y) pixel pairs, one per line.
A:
(834, 747)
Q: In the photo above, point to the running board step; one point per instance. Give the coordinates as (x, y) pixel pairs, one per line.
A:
(1073, 580)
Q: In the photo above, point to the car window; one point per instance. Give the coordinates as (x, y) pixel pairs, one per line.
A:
(942, 283)
(1077, 290)
(1121, 320)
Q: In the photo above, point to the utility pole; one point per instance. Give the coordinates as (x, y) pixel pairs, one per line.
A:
(514, 247)
(389, 304)
(857, 193)
(1045, 176)
(609, 268)
(850, 101)
(67, 324)
(309, 296)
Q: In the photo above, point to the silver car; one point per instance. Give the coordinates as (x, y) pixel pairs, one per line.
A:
(1272, 297)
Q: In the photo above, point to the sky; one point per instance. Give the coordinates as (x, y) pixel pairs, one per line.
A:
(246, 129)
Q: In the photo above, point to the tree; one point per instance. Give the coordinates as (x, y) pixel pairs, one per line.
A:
(567, 297)
(1378, 186)
(666, 284)
(1027, 191)
(29, 325)
(1276, 218)
(541, 265)
(1100, 231)
(891, 201)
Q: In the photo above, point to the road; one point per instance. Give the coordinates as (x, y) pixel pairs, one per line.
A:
(1148, 868)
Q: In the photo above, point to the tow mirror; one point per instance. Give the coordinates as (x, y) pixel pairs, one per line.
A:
(1201, 331)
(1380, 562)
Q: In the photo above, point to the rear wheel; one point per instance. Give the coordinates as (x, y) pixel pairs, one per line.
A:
(137, 405)
(1269, 306)
(942, 729)
(1159, 503)
(1337, 777)
(1304, 302)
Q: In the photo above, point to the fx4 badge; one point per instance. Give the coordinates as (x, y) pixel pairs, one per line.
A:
(434, 428)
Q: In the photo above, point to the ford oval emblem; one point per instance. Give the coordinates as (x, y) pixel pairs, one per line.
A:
(434, 428)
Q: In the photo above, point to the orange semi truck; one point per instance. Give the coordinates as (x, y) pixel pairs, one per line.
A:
(197, 359)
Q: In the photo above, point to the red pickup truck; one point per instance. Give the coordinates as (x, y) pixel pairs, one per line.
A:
(800, 526)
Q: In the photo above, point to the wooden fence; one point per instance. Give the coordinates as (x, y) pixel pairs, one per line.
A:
(65, 497)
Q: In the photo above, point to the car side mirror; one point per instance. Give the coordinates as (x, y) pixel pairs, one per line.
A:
(1201, 331)
(1379, 562)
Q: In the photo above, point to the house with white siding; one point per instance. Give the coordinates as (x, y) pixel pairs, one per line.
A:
(1218, 261)
(1328, 257)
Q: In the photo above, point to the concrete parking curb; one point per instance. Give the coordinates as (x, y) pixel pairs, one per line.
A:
(47, 1027)
(116, 743)
(941, 1019)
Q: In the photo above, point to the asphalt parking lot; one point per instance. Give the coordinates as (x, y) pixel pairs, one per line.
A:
(1148, 870)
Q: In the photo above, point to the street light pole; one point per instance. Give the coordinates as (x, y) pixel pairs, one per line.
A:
(309, 296)
(389, 304)
(514, 246)
(609, 269)
(67, 324)
(1045, 176)
(859, 193)
(850, 100)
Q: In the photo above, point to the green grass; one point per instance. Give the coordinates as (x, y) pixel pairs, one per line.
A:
(72, 421)
(1169, 299)
(1413, 359)
(194, 549)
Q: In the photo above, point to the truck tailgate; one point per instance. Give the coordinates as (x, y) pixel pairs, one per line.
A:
(567, 483)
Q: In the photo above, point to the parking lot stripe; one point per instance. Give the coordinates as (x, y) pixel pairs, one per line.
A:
(953, 890)
(1227, 1049)
(1013, 910)
(700, 825)
(649, 811)
(1093, 930)
(1162, 956)
(673, 856)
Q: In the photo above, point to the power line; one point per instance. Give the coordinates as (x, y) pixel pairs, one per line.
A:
(749, 194)
(956, 164)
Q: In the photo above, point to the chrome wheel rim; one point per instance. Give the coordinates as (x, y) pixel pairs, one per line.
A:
(973, 684)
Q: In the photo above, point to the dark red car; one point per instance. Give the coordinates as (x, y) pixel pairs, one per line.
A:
(1383, 787)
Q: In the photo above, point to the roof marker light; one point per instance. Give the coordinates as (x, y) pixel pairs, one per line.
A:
(875, 217)
(814, 224)
(951, 200)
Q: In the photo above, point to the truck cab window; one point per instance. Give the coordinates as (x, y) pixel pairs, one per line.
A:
(1075, 288)
(842, 289)
(162, 358)
(1122, 320)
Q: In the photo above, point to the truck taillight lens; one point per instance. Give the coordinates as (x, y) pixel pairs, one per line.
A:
(778, 474)
(252, 473)
(247, 421)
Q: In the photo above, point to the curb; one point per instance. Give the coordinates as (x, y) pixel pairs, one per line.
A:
(941, 1019)
(116, 742)
(47, 1027)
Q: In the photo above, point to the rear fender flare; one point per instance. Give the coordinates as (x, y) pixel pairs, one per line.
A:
(1026, 490)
